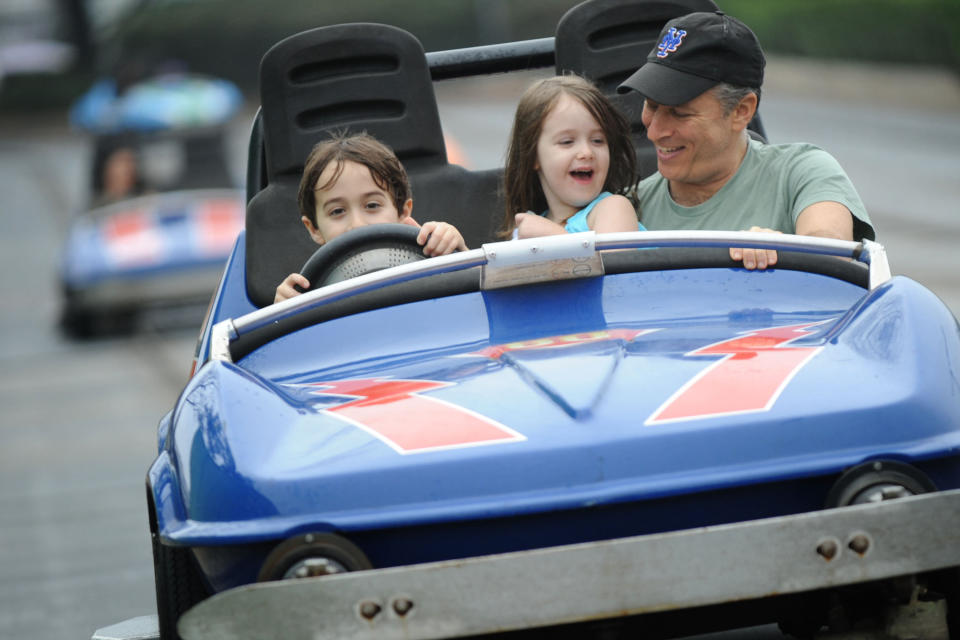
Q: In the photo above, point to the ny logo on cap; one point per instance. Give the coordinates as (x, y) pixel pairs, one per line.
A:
(671, 40)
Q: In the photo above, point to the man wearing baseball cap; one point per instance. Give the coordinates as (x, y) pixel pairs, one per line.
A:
(701, 87)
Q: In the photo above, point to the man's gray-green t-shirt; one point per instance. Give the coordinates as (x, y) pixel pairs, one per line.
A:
(774, 183)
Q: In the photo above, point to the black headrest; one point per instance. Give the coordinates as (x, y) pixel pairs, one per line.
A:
(607, 40)
(358, 77)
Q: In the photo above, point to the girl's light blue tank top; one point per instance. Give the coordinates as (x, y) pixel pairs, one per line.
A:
(578, 221)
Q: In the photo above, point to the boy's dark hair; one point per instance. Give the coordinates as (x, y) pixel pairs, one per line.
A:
(362, 148)
(521, 185)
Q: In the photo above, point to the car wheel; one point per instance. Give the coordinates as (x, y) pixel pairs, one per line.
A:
(946, 582)
(86, 325)
(179, 585)
(806, 617)
(78, 324)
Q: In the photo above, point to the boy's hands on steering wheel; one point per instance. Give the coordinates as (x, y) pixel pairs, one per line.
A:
(437, 238)
(287, 288)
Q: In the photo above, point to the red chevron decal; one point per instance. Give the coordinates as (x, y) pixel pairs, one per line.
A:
(752, 374)
(396, 413)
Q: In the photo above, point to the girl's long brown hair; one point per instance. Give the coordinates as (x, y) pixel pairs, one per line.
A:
(521, 183)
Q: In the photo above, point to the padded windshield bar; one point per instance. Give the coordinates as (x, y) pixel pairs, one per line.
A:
(745, 239)
(525, 254)
(489, 59)
(228, 331)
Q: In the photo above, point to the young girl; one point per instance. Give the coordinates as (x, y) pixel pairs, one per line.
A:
(570, 157)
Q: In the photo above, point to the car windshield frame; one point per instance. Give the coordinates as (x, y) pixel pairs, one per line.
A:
(520, 256)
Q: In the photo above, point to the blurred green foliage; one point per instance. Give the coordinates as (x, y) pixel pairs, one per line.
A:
(923, 32)
(227, 38)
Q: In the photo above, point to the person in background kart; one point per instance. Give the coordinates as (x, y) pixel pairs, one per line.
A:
(120, 175)
(352, 181)
(117, 175)
(570, 159)
(701, 87)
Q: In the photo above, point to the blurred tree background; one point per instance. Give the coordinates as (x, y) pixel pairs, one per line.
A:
(227, 38)
(924, 32)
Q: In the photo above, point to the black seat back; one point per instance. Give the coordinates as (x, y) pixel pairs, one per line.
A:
(354, 77)
(607, 40)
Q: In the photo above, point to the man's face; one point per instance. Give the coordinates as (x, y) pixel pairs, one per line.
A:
(695, 141)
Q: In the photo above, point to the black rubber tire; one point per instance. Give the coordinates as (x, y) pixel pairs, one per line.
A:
(78, 325)
(947, 583)
(306, 545)
(178, 583)
(87, 324)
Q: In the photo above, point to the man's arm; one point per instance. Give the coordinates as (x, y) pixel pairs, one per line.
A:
(826, 219)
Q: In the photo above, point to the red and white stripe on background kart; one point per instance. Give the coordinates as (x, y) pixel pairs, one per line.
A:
(133, 239)
(217, 224)
(138, 237)
(395, 412)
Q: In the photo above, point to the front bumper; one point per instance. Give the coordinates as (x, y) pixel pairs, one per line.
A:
(673, 571)
(128, 291)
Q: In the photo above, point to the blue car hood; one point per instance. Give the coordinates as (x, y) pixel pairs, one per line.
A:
(499, 417)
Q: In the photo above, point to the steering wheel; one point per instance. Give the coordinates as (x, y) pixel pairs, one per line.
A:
(360, 251)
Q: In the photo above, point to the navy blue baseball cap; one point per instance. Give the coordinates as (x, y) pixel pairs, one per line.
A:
(696, 52)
